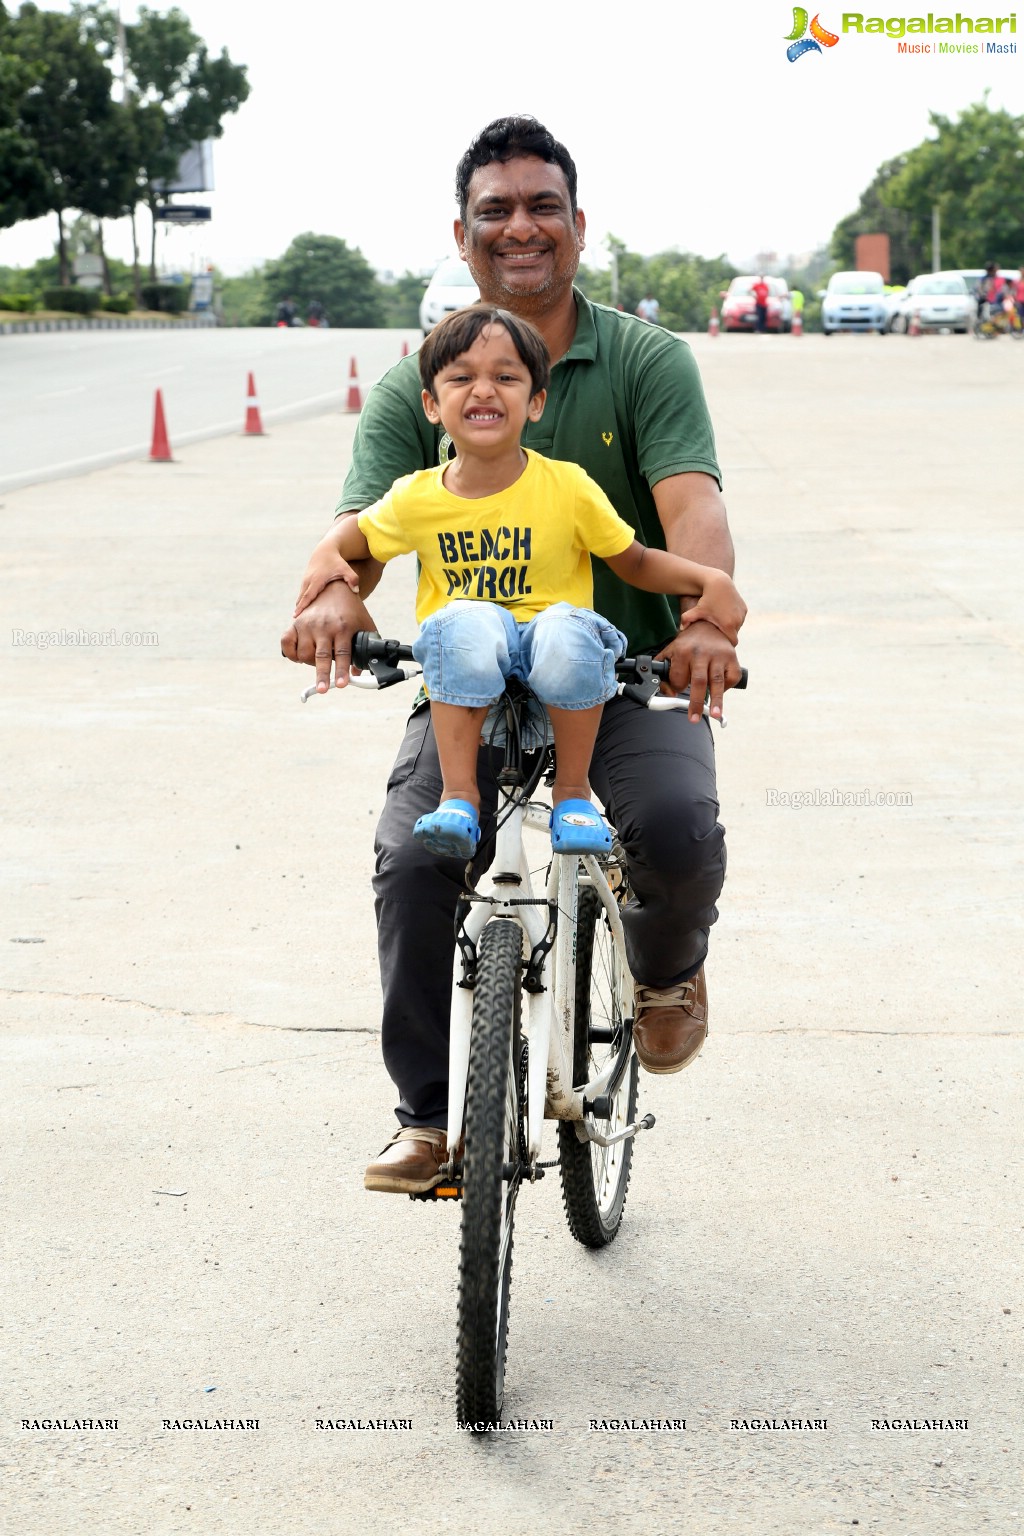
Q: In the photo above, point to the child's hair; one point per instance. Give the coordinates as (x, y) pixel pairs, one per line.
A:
(457, 332)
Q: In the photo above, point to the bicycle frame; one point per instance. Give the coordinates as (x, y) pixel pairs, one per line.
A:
(549, 927)
(549, 932)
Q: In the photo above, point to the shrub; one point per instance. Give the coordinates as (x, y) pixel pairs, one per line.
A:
(75, 301)
(19, 303)
(168, 298)
(117, 303)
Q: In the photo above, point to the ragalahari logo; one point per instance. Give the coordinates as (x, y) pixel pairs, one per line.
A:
(799, 43)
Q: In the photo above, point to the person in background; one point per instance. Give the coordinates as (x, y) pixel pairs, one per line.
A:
(316, 314)
(649, 308)
(286, 312)
(759, 291)
(990, 289)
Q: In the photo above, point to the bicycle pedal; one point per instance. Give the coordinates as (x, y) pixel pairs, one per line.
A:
(439, 1192)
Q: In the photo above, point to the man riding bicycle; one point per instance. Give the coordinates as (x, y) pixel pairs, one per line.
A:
(626, 403)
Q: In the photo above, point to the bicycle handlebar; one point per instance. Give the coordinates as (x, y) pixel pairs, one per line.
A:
(382, 659)
(368, 648)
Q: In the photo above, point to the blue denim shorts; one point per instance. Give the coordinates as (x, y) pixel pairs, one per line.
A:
(565, 655)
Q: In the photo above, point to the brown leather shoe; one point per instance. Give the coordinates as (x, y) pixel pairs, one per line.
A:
(411, 1162)
(670, 1024)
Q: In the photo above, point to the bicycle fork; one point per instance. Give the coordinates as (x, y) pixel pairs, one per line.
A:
(549, 931)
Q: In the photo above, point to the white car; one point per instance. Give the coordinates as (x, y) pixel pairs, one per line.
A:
(451, 287)
(854, 301)
(939, 300)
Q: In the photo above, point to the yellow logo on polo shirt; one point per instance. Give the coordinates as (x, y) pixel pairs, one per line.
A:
(607, 439)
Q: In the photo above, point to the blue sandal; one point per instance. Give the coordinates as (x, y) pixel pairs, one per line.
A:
(578, 827)
(453, 830)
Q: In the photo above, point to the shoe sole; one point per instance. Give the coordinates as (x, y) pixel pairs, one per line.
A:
(448, 845)
(678, 1067)
(389, 1184)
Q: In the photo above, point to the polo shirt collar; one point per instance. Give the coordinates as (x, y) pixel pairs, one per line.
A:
(584, 343)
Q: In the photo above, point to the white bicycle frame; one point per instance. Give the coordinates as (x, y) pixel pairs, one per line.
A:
(507, 892)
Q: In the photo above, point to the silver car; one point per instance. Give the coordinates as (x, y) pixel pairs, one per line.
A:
(940, 301)
(451, 287)
(854, 301)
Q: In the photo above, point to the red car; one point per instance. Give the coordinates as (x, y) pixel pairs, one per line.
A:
(740, 314)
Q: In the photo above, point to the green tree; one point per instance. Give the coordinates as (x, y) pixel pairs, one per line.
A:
(64, 112)
(170, 69)
(244, 300)
(323, 267)
(24, 193)
(686, 286)
(972, 170)
(400, 301)
(174, 92)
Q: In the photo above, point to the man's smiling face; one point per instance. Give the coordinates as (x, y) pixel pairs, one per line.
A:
(521, 239)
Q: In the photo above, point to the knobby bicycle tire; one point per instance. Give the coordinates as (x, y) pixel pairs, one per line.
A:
(595, 1180)
(494, 1111)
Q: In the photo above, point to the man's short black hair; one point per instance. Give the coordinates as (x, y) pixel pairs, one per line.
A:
(505, 139)
(457, 332)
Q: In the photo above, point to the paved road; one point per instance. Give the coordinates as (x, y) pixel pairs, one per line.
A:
(826, 1222)
(73, 401)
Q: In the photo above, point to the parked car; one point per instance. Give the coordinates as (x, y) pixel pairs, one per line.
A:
(854, 301)
(451, 287)
(940, 301)
(739, 313)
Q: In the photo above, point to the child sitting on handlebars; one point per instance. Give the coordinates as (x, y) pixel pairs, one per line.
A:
(504, 538)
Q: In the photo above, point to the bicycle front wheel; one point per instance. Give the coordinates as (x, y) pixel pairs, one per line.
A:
(595, 1179)
(495, 1093)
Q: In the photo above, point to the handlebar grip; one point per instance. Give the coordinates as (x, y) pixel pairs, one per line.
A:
(368, 647)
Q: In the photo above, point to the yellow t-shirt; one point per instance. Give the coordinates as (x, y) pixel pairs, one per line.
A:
(525, 548)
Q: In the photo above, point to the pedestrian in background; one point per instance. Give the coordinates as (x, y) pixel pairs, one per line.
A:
(649, 308)
(760, 293)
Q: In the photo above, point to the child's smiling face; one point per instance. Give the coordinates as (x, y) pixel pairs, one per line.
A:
(484, 397)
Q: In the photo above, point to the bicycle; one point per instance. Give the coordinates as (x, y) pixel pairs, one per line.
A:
(1002, 319)
(571, 1059)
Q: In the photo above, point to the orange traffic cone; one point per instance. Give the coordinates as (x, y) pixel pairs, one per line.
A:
(253, 425)
(405, 349)
(355, 399)
(796, 327)
(160, 451)
(713, 322)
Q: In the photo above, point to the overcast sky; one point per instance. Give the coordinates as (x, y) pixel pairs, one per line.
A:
(690, 129)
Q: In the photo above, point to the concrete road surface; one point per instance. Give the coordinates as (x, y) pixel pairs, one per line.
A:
(825, 1225)
(73, 401)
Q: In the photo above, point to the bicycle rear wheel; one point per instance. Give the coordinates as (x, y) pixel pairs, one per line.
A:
(595, 1179)
(494, 1145)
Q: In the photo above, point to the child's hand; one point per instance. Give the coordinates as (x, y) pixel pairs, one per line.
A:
(721, 605)
(322, 569)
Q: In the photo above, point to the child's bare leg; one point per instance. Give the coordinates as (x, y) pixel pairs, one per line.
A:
(575, 734)
(457, 733)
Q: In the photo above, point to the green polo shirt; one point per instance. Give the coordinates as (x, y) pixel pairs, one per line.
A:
(626, 403)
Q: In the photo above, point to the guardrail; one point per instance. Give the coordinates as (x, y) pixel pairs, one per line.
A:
(114, 323)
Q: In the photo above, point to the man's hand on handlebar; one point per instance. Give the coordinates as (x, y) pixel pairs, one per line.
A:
(701, 657)
(321, 635)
